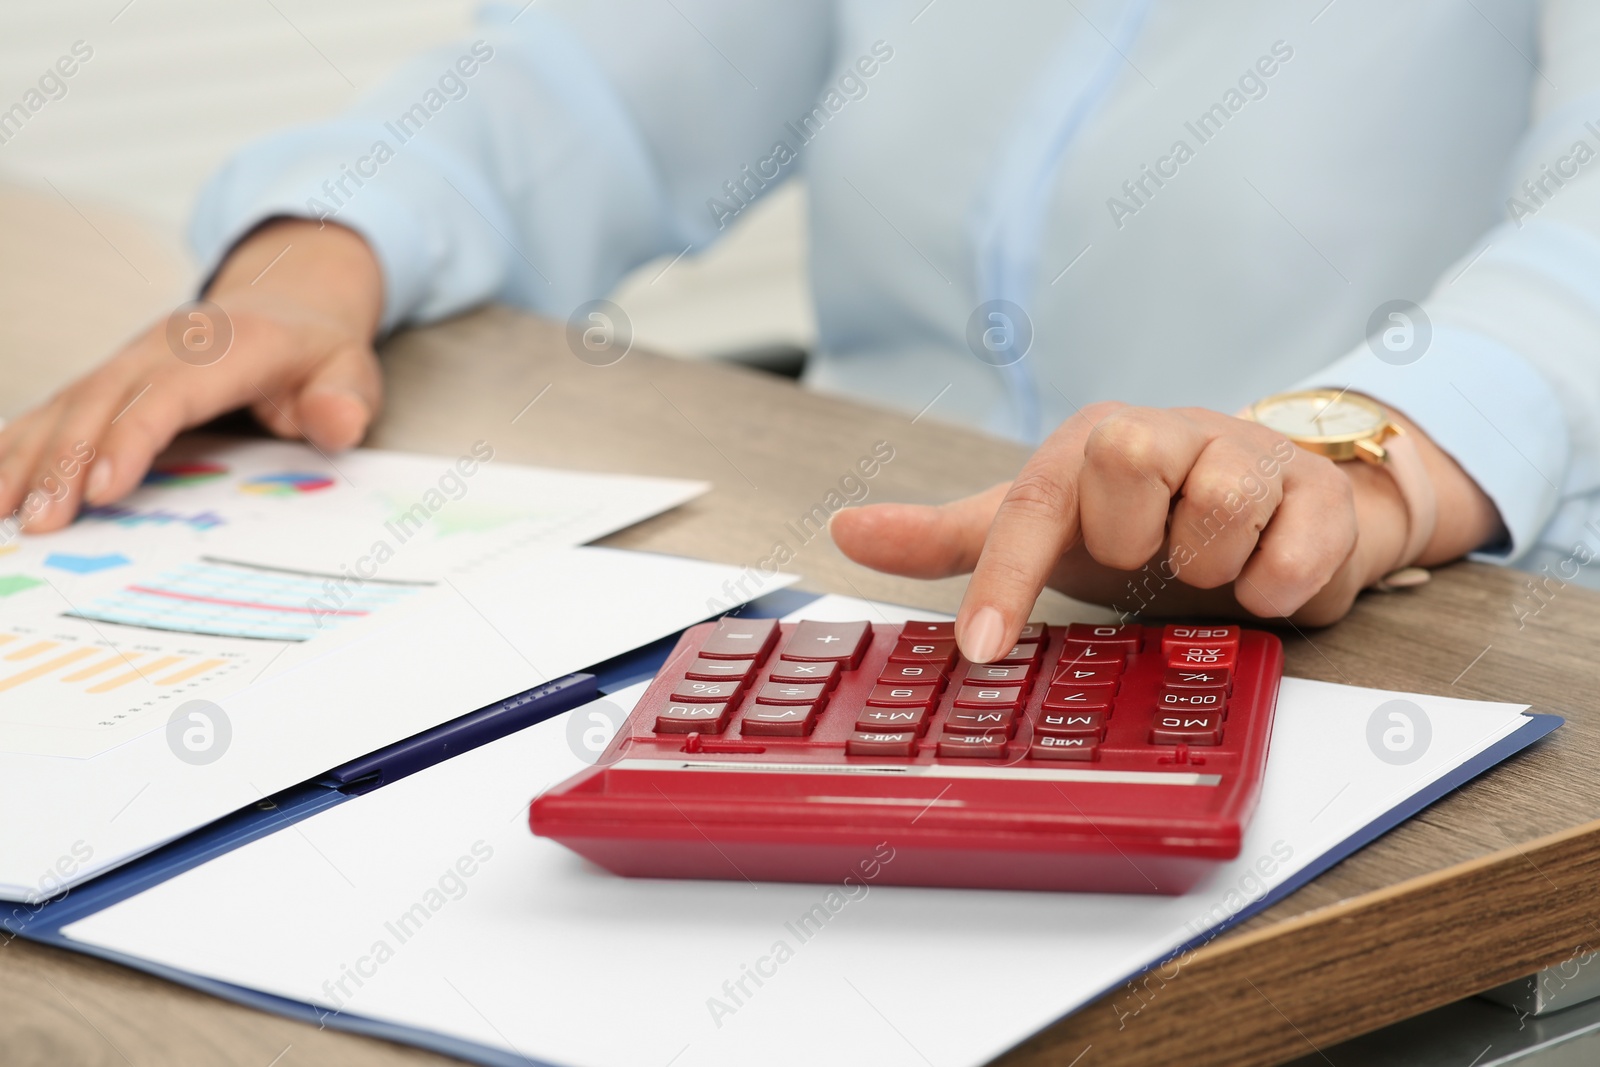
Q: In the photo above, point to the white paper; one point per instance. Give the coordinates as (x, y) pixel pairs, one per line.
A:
(370, 908)
(237, 553)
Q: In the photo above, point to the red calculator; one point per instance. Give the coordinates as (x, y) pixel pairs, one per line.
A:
(1099, 758)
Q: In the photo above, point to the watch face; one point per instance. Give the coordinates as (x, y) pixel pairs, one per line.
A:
(1321, 415)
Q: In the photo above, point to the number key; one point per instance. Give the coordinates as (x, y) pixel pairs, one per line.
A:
(991, 674)
(910, 674)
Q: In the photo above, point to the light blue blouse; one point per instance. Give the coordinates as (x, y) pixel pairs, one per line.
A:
(1184, 203)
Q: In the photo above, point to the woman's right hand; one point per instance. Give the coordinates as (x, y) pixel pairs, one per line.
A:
(302, 300)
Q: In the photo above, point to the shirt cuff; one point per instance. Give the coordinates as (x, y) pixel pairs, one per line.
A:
(1489, 409)
(284, 177)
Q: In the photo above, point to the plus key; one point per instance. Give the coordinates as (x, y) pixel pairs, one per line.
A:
(843, 642)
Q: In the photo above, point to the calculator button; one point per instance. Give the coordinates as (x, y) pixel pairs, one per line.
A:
(991, 674)
(1122, 638)
(1077, 697)
(711, 670)
(790, 693)
(1023, 654)
(690, 691)
(1198, 678)
(940, 631)
(979, 721)
(842, 641)
(1076, 674)
(740, 639)
(878, 719)
(1192, 700)
(1177, 638)
(689, 718)
(1218, 656)
(911, 674)
(902, 696)
(1033, 631)
(940, 654)
(1186, 728)
(786, 671)
(1096, 656)
(983, 696)
(881, 743)
(773, 720)
(1048, 746)
(972, 746)
(1071, 722)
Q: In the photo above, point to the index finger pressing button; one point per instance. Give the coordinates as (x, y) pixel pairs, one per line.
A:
(842, 641)
(740, 639)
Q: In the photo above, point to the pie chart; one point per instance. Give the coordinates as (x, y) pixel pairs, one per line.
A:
(287, 483)
(180, 474)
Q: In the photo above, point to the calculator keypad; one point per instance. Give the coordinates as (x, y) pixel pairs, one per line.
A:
(1115, 695)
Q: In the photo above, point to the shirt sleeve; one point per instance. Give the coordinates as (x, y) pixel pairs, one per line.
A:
(541, 159)
(1501, 368)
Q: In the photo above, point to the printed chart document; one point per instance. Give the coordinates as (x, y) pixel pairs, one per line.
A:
(233, 554)
(429, 907)
(325, 608)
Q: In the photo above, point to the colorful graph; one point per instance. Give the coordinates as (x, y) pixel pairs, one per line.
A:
(75, 564)
(12, 584)
(124, 515)
(223, 598)
(95, 668)
(182, 474)
(287, 483)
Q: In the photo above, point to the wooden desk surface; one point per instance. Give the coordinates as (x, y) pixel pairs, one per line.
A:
(1490, 883)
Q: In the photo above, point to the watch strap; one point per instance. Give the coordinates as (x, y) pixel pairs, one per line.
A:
(1404, 464)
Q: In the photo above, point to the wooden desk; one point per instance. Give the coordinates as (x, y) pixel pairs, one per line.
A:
(1491, 883)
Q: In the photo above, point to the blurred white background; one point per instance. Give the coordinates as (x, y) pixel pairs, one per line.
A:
(175, 85)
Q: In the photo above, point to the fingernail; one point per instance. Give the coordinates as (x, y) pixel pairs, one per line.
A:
(981, 639)
(99, 482)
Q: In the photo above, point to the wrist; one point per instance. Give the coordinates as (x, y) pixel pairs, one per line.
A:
(1467, 518)
(324, 267)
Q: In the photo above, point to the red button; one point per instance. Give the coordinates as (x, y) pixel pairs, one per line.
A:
(774, 720)
(939, 631)
(1105, 659)
(1033, 631)
(1219, 657)
(692, 692)
(1073, 674)
(1024, 654)
(1077, 697)
(1184, 728)
(913, 719)
(990, 674)
(1046, 746)
(1192, 700)
(1124, 639)
(1177, 638)
(1198, 678)
(788, 693)
(711, 670)
(689, 718)
(973, 746)
(1071, 722)
(984, 696)
(911, 674)
(740, 639)
(902, 696)
(825, 673)
(979, 721)
(881, 743)
(842, 641)
(940, 654)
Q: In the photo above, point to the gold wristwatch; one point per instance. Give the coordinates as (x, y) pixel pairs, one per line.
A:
(1344, 426)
